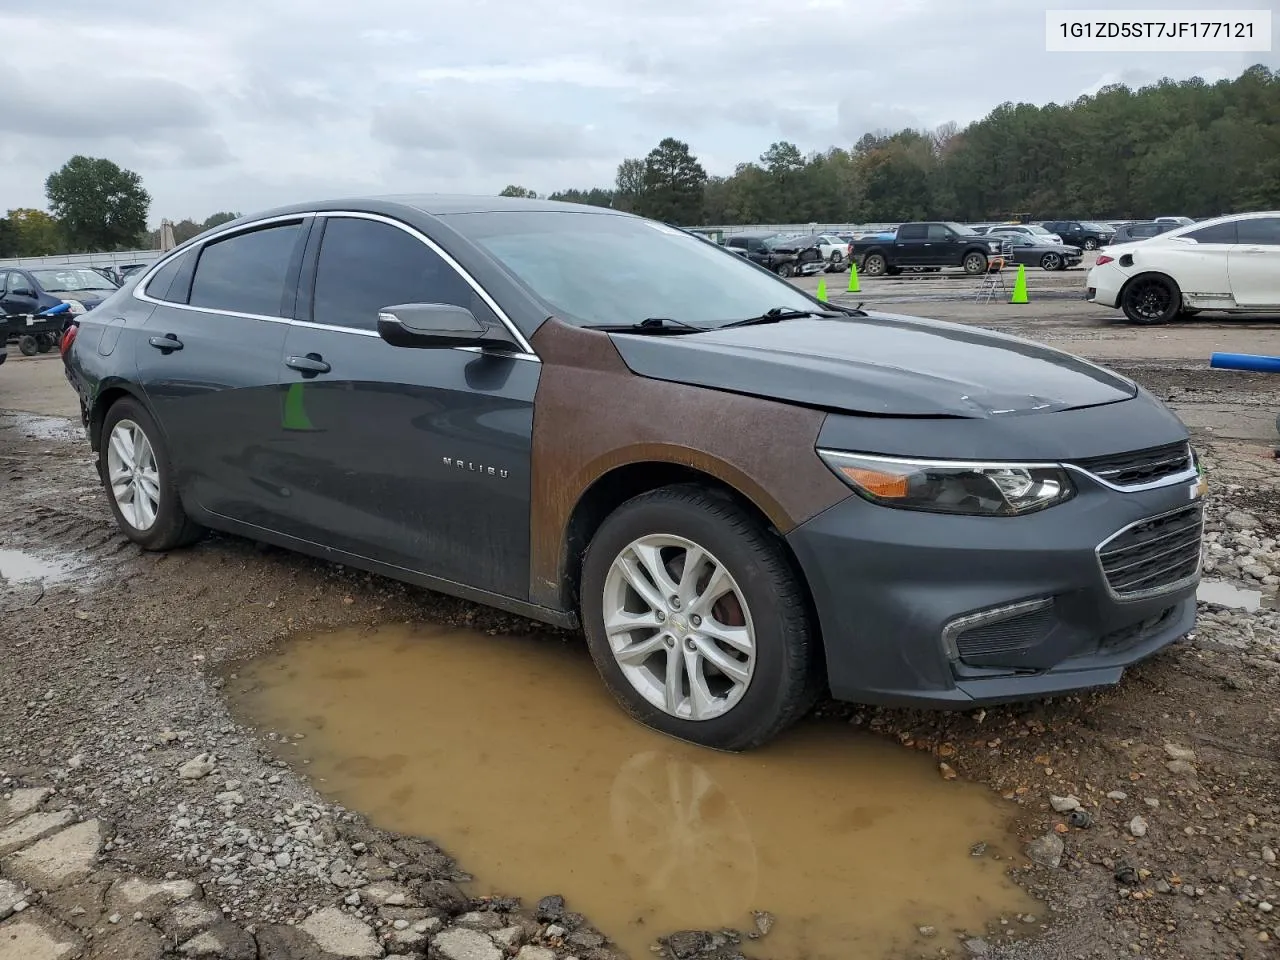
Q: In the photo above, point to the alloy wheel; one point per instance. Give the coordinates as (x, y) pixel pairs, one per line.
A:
(1150, 299)
(132, 475)
(679, 627)
(1051, 261)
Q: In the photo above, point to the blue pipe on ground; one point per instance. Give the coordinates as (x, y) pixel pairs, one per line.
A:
(1245, 361)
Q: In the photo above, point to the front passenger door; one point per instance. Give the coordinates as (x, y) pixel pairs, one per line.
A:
(19, 295)
(414, 457)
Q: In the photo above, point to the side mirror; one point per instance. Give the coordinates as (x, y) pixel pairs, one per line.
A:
(436, 325)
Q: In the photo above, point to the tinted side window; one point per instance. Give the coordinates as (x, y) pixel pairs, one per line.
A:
(1264, 230)
(246, 273)
(736, 242)
(913, 231)
(162, 287)
(365, 265)
(1220, 233)
(938, 232)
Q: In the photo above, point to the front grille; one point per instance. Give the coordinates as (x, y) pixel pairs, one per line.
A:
(1005, 636)
(1154, 554)
(1140, 466)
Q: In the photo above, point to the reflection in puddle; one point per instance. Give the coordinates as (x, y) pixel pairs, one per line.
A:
(1229, 595)
(511, 755)
(19, 567)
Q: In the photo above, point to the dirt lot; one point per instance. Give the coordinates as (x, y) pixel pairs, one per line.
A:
(1153, 810)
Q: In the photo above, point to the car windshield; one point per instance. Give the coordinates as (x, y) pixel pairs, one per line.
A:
(612, 269)
(961, 229)
(71, 280)
(1040, 231)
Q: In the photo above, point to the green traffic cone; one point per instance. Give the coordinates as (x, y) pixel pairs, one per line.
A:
(1020, 286)
(853, 277)
(822, 289)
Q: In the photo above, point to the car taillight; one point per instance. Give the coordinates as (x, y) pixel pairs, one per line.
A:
(1103, 258)
(68, 337)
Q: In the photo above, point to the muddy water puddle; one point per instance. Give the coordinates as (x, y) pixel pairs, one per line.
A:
(17, 566)
(510, 754)
(1226, 594)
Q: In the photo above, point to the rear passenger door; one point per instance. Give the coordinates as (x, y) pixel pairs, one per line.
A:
(416, 458)
(209, 359)
(912, 245)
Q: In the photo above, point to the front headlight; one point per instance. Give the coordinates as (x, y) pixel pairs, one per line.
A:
(994, 245)
(76, 306)
(953, 486)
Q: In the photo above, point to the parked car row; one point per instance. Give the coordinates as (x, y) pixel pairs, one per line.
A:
(787, 256)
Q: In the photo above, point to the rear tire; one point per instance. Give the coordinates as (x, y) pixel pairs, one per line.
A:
(875, 265)
(771, 675)
(27, 345)
(1151, 300)
(139, 479)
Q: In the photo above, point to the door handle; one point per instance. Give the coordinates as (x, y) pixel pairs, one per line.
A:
(1255, 251)
(167, 344)
(309, 365)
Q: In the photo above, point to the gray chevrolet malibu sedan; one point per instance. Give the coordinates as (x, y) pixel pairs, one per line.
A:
(744, 496)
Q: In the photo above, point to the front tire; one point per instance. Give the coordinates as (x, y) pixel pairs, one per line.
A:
(1090, 243)
(975, 263)
(139, 480)
(1151, 300)
(1052, 261)
(836, 263)
(696, 619)
(785, 271)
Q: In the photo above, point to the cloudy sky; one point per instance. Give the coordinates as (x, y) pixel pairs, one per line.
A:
(272, 101)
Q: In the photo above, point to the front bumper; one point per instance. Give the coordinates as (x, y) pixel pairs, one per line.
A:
(809, 267)
(895, 589)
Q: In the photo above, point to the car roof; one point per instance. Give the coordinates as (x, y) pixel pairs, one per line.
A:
(1228, 218)
(435, 204)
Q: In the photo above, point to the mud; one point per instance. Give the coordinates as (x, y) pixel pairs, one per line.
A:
(510, 752)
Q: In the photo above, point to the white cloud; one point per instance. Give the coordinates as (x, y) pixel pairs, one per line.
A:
(250, 103)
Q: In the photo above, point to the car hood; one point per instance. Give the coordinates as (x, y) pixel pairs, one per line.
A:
(882, 365)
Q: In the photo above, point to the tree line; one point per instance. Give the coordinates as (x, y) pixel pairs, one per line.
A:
(1173, 148)
(95, 206)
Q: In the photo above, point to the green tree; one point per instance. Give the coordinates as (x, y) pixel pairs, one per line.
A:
(511, 190)
(185, 229)
(673, 184)
(101, 207)
(595, 197)
(36, 233)
(8, 238)
(629, 185)
(218, 219)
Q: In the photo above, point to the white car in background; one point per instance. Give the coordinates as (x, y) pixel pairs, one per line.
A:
(1035, 233)
(834, 250)
(1229, 263)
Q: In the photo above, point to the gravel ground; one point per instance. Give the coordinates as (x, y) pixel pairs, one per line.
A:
(138, 821)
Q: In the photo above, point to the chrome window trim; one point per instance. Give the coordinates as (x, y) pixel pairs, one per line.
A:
(525, 347)
(526, 351)
(139, 289)
(1152, 592)
(1189, 474)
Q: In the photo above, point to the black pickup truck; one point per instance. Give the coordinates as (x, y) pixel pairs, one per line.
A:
(925, 244)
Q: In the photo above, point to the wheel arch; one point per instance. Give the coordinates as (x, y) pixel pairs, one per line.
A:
(1124, 289)
(108, 395)
(621, 483)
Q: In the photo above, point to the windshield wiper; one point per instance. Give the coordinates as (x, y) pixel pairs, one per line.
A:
(649, 325)
(776, 314)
